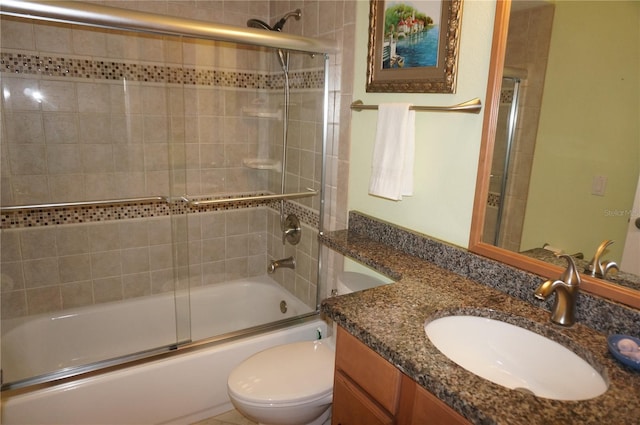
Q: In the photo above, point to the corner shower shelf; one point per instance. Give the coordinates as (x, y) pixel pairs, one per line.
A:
(275, 197)
(262, 164)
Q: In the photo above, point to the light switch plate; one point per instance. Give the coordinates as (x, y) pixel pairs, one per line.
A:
(599, 185)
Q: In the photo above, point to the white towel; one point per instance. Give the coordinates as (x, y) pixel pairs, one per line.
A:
(393, 152)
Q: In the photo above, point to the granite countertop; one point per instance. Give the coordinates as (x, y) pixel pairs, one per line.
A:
(390, 319)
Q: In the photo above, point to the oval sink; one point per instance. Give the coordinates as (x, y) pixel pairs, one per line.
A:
(515, 357)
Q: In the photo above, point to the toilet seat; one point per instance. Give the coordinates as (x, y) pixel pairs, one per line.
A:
(290, 374)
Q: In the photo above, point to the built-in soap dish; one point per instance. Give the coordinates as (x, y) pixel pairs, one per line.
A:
(626, 349)
(262, 164)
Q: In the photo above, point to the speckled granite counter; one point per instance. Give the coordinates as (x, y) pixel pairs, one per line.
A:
(390, 320)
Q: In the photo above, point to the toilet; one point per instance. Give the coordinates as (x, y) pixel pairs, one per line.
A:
(292, 384)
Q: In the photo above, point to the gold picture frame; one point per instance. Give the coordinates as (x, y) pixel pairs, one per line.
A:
(429, 42)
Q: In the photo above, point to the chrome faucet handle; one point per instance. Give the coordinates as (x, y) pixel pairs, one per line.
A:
(597, 267)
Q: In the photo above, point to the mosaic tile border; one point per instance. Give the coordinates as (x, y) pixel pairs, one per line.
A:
(493, 200)
(506, 96)
(27, 218)
(57, 66)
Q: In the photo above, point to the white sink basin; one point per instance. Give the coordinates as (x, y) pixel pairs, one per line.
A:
(515, 357)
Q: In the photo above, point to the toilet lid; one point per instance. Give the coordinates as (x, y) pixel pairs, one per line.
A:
(297, 372)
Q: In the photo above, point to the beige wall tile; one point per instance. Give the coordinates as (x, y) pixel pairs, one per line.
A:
(43, 300)
(53, 38)
(11, 277)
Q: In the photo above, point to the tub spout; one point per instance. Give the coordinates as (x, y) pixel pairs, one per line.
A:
(289, 263)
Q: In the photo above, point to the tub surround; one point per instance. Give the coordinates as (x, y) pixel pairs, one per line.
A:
(435, 279)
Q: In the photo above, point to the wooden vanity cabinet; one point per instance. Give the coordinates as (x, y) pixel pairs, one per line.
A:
(366, 387)
(368, 390)
(419, 407)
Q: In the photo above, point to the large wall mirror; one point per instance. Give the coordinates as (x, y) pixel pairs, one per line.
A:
(560, 157)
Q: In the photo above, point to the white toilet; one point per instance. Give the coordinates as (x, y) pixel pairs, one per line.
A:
(292, 384)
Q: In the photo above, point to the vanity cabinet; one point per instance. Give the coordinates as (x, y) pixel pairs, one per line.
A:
(368, 390)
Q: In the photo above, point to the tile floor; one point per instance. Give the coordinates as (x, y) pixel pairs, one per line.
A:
(232, 417)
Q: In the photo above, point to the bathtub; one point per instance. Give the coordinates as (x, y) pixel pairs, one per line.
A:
(181, 388)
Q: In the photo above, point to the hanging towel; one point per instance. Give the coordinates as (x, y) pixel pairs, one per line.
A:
(393, 152)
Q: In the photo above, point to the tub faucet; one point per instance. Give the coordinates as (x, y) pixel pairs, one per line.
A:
(598, 268)
(289, 263)
(566, 289)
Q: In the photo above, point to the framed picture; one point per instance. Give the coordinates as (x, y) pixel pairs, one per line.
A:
(413, 46)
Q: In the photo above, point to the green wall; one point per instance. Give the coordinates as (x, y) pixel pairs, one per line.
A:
(447, 144)
(587, 129)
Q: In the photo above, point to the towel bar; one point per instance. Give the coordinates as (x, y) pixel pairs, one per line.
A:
(472, 106)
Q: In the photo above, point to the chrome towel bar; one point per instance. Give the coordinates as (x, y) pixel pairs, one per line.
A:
(472, 106)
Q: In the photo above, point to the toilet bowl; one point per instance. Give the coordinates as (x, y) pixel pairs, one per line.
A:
(291, 384)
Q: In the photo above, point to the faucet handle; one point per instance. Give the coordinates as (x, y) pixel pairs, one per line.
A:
(596, 268)
(570, 276)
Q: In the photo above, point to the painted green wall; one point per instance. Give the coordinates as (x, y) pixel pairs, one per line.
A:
(585, 131)
(447, 144)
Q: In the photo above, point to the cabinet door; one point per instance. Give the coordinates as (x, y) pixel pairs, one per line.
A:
(353, 407)
(419, 407)
(376, 376)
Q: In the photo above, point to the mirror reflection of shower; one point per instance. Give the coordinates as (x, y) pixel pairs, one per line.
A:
(283, 58)
(505, 210)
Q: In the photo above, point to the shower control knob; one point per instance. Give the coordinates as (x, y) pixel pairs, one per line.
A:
(291, 231)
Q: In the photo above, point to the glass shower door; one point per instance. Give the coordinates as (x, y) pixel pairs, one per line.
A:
(90, 263)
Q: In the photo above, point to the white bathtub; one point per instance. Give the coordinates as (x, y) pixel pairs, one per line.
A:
(180, 389)
(39, 344)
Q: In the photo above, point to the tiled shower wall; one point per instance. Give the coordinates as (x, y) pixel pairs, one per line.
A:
(96, 138)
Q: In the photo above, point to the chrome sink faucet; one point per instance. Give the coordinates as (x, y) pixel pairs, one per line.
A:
(598, 268)
(566, 289)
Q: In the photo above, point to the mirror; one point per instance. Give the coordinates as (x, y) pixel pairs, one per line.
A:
(568, 177)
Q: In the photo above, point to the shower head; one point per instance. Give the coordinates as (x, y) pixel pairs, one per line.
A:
(283, 56)
(257, 23)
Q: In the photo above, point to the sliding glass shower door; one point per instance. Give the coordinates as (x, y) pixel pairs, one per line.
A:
(91, 159)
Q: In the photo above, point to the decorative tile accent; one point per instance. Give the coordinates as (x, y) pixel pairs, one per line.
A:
(79, 214)
(493, 200)
(52, 66)
(506, 96)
